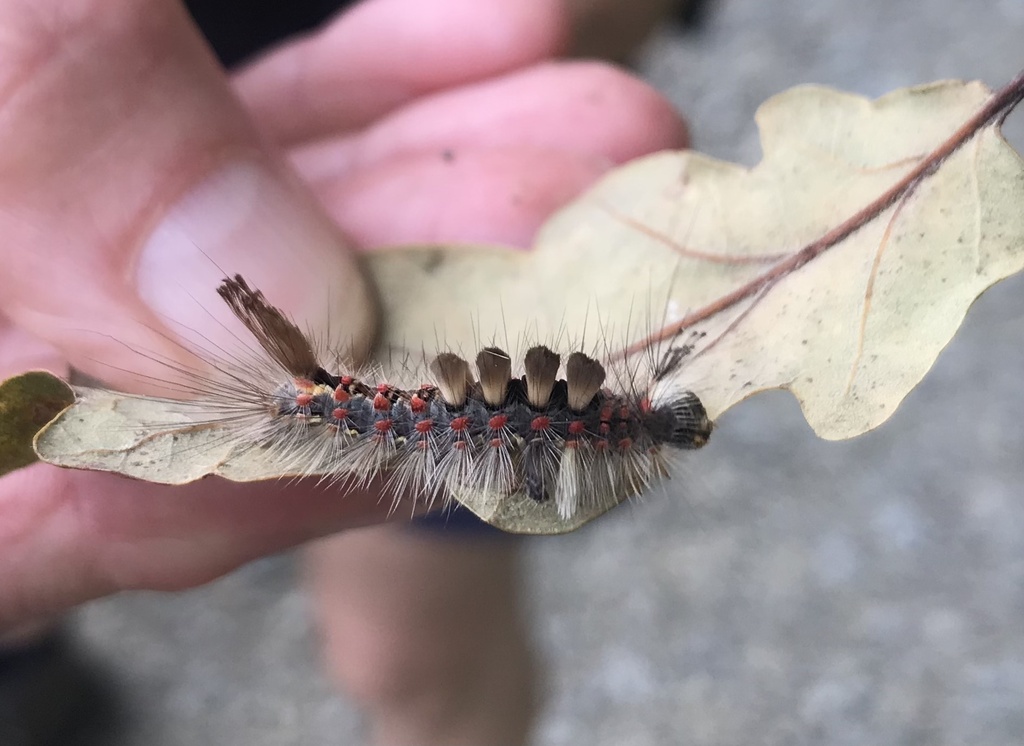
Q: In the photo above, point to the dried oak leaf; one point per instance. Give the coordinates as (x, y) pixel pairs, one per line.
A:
(837, 268)
(156, 440)
(754, 257)
(27, 403)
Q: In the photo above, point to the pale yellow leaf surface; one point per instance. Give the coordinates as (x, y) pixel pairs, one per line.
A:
(157, 440)
(849, 334)
(668, 239)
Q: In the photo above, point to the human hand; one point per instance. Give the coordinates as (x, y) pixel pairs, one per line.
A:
(132, 169)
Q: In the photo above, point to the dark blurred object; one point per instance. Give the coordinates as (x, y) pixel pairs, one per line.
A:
(610, 29)
(49, 690)
(691, 14)
(238, 29)
(615, 29)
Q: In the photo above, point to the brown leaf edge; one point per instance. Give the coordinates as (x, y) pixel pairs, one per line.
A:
(28, 402)
(993, 113)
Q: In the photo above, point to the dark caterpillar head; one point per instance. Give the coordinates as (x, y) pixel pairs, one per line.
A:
(681, 423)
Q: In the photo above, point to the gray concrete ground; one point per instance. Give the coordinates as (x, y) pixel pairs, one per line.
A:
(797, 591)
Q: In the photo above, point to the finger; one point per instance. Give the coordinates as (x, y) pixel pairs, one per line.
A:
(67, 537)
(384, 53)
(485, 196)
(490, 162)
(131, 178)
(587, 108)
(21, 352)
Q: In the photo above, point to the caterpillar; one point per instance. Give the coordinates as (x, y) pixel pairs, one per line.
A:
(556, 431)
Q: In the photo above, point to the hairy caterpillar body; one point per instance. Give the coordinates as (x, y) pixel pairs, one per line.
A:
(554, 432)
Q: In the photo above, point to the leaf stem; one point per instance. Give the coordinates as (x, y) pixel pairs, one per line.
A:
(996, 109)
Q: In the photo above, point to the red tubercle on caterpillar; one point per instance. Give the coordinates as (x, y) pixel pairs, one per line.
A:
(303, 399)
(625, 444)
(382, 426)
(340, 395)
(339, 413)
(497, 421)
(424, 426)
(417, 405)
(540, 423)
(577, 427)
(459, 424)
(381, 403)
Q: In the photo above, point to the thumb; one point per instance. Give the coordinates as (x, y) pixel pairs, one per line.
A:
(131, 180)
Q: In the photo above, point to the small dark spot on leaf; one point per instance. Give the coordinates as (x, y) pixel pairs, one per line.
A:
(432, 261)
(448, 155)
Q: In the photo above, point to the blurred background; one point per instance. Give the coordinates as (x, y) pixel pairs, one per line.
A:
(788, 590)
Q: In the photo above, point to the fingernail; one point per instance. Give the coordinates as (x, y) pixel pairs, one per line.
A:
(248, 219)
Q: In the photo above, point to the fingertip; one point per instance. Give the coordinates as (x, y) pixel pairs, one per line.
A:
(650, 122)
(138, 535)
(382, 54)
(589, 108)
(45, 570)
(69, 536)
(477, 195)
